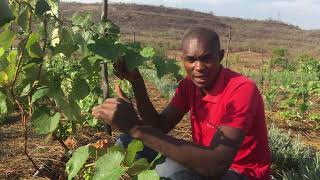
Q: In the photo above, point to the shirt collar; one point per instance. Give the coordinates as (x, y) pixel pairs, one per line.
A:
(214, 93)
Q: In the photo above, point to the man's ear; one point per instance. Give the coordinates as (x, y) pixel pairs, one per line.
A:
(221, 55)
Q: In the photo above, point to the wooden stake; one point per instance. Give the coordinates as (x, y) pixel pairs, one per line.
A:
(104, 65)
(228, 45)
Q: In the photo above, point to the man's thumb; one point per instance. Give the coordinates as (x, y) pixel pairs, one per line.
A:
(121, 94)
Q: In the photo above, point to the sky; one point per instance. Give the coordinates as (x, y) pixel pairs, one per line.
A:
(303, 13)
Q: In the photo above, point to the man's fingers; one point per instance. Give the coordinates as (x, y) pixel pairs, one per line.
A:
(111, 101)
(117, 70)
(108, 104)
(102, 114)
(119, 75)
(123, 67)
(121, 94)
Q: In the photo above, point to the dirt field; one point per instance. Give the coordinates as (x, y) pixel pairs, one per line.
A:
(15, 165)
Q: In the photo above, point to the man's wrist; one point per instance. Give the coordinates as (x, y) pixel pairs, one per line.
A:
(137, 81)
(136, 132)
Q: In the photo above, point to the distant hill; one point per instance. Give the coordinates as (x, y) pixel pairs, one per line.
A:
(165, 26)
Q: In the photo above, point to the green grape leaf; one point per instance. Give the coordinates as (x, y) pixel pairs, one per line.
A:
(132, 58)
(26, 90)
(109, 166)
(106, 48)
(148, 52)
(23, 19)
(70, 108)
(3, 64)
(12, 57)
(108, 27)
(117, 148)
(40, 92)
(29, 71)
(11, 68)
(65, 48)
(23, 51)
(55, 37)
(79, 157)
(78, 39)
(2, 51)
(166, 66)
(3, 104)
(6, 38)
(159, 159)
(33, 46)
(66, 34)
(134, 147)
(173, 68)
(148, 175)
(94, 59)
(160, 66)
(92, 122)
(41, 7)
(80, 89)
(42, 121)
(54, 6)
(138, 166)
(66, 44)
(3, 77)
(6, 14)
(303, 107)
(82, 19)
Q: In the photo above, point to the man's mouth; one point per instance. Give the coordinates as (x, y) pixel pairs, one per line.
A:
(200, 78)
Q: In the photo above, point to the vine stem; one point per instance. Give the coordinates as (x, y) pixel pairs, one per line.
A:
(24, 121)
(104, 65)
(34, 85)
(24, 117)
(59, 139)
(228, 45)
(89, 165)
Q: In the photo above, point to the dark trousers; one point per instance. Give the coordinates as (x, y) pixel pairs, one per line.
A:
(171, 169)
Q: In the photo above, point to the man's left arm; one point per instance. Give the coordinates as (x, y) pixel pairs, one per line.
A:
(216, 159)
(211, 161)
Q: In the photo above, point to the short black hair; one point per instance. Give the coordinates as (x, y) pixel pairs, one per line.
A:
(202, 33)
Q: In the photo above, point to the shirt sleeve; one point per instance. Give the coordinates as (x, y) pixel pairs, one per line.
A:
(181, 97)
(242, 106)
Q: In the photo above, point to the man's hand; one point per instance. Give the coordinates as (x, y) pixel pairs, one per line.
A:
(122, 71)
(117, 112)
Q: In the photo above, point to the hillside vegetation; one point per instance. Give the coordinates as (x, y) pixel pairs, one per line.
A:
(165, 26)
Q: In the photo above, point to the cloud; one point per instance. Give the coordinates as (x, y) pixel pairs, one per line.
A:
(300, 12)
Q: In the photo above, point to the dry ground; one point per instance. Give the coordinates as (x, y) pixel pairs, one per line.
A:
(14, 164)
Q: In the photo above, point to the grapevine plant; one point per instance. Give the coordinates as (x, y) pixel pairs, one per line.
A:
(49, 74)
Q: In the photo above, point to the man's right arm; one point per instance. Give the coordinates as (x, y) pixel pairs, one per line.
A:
(166, 120)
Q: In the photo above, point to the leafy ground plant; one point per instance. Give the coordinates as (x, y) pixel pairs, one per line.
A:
(291, 159)
(50, 74)
(111, 163)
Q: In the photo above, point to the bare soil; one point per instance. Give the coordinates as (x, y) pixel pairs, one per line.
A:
(15, 165)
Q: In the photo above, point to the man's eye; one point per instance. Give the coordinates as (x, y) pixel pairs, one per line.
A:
(208, 59)
(189, 59)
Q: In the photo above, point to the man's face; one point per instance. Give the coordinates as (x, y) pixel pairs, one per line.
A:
(202, 62)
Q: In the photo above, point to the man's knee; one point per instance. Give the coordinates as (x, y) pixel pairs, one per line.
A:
(233, 175)
(124, 140)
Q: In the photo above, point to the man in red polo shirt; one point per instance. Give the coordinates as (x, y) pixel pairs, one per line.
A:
(226, 111)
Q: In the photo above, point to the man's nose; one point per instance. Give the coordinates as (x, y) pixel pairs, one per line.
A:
(199, 65)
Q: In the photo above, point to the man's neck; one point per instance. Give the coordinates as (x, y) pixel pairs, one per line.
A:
(204, 91)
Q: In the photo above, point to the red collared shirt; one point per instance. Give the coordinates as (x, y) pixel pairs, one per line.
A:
(233, 101)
